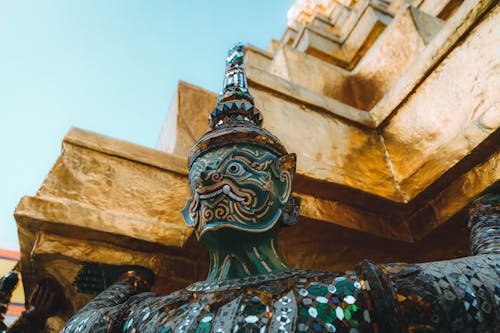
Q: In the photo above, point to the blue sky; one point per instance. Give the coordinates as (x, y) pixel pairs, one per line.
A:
(106, 66)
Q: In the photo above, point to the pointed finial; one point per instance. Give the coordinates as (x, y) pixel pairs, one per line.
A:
(235, 103)
(235, 119)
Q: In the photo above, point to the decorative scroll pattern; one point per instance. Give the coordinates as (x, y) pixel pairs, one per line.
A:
(238, 187)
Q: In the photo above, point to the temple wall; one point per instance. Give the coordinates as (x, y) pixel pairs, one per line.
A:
(443, 118)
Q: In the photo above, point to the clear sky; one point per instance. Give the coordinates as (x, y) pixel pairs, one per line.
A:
(106, 66)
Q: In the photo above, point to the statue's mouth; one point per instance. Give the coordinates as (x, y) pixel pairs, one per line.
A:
(222, 188)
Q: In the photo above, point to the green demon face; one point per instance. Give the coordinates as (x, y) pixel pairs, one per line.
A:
(243, 187)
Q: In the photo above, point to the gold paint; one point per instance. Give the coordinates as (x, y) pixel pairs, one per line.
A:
(101, 192)
(278, 215)
(264, 264)
(215, 260)
(226, 261)
(490, 118)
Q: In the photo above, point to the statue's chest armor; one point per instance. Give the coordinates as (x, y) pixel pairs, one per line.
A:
(302, 302)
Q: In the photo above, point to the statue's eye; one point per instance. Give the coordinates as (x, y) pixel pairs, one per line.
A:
(235, 169)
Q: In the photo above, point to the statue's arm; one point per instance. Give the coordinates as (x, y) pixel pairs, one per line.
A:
(462, 294)
(105, 312)
(459, 295)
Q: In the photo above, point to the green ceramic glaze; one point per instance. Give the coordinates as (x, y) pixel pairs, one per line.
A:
(239, 195)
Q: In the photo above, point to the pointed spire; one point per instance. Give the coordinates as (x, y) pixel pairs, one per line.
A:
(235, 103)
(235, 119)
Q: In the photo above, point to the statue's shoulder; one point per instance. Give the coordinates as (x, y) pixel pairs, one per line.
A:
(329, 301)
(303, 301)
(294, 301)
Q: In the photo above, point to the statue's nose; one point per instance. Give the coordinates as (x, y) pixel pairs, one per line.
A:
(210, 176)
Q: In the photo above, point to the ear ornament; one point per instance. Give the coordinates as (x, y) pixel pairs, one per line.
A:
(291, 213)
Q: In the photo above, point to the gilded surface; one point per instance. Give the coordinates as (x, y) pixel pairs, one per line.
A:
(429, 133)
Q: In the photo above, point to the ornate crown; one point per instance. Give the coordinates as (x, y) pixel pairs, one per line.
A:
(235, 102)
(235, 118)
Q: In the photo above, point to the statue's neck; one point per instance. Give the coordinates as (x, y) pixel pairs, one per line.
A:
(256, 255)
